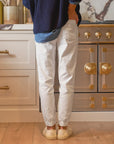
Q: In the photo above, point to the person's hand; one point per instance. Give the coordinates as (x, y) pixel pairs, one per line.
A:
(72, 13)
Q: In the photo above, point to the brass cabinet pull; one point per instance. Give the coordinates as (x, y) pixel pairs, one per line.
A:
(92, 98)
(92, 103)
(4, 52)
(90, 68)
(91, 86)
(4, 88)
(105, 68)
(104, 105)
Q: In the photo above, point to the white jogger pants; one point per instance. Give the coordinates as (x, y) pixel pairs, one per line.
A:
(67, 47)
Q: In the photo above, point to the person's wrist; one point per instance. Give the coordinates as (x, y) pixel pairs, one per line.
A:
(72, 6)
(71, 11)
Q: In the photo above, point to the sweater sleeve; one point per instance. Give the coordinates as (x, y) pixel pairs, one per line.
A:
(26, 3)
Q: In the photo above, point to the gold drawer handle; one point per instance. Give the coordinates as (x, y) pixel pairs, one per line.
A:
(92, 104)
(104, 105)
(4, 88)
(92, 98)
(104, 99)
(91, 86)
(105, 68)
(90, 68)
(4, 52)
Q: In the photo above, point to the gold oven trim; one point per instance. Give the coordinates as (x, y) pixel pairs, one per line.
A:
(96, 25)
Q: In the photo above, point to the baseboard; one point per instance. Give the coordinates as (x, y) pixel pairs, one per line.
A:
(24, 115)
(92, 116)
(31, 115)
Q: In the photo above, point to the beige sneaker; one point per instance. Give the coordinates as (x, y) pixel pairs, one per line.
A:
(64, 133)
(49, 134)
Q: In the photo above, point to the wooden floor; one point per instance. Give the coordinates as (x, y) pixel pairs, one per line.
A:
(83, 133)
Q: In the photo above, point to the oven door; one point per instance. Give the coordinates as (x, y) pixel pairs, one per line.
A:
(106, 68)
(86, 70)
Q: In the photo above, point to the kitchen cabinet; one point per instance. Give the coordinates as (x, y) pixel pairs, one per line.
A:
(17, 69)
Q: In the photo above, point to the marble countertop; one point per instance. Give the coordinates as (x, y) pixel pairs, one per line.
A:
(29, 27)
(16, 27)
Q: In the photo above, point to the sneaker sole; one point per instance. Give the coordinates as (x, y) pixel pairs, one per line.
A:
(52, 138)
(62, 138)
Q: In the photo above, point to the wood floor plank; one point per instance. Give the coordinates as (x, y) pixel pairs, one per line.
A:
(102, 131)
(83, 133)
(3, 128)
(12, 133)
(38, 137)
(26, 136)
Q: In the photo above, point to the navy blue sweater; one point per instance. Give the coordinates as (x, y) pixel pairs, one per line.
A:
(48, 15)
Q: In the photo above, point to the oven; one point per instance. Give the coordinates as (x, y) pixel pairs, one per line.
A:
(94, 82)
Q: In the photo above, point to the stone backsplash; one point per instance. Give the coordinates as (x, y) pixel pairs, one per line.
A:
(97, 10)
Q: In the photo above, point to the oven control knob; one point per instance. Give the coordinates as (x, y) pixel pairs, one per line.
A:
(108, 35)
(87, 34)
(98, 35)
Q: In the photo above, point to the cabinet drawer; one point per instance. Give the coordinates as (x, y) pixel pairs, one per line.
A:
(17, 87)
(83, 102)
(17, 52)
(106, 101)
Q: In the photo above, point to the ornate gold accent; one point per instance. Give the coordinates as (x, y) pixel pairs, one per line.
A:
(92, 105)
(90, 68)
(87, 34)
(98, 35)
(104, 86)
(4, 88)
(91, 86)
(104, 105)
(92, 98)
(108, 35)
(91, 49)
(4, 52)
(105, 68)
(96, 25)
(104, 49)
(104, 98)
(96, 42)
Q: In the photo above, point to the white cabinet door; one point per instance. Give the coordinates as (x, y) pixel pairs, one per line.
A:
(17, 51)
(17, 87)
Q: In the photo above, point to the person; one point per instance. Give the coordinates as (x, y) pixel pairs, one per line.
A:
(55, 26)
